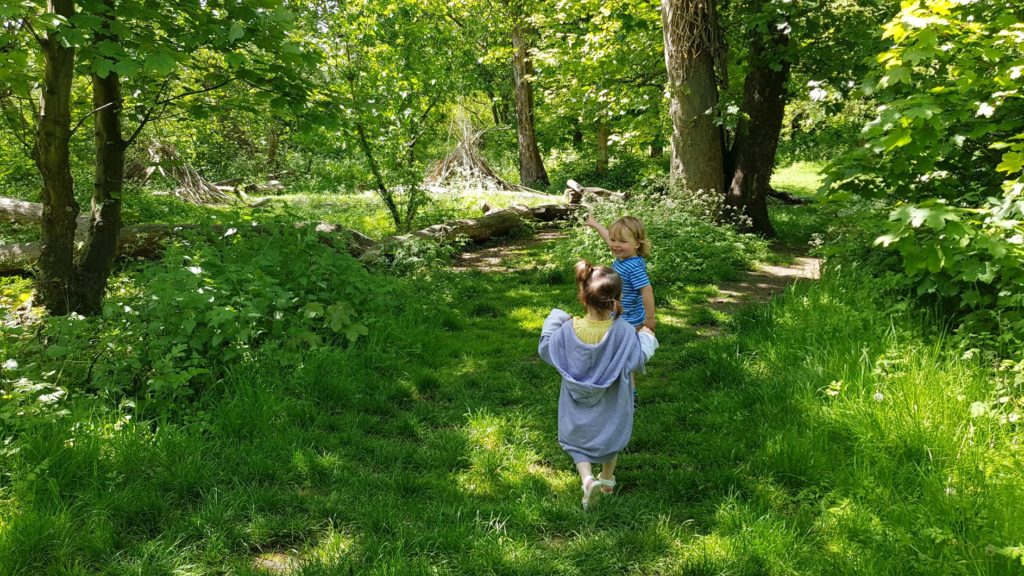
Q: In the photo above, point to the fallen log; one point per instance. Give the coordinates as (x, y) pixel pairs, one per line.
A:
(146, 242)
(143, 241)
(493, 224)
(24, 212)
(576, 193)
(786, 197)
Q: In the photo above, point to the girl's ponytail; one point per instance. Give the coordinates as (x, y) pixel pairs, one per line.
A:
(599, 288)
(584, 270)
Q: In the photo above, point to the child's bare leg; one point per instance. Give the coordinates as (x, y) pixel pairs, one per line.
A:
(608, 469)
(585, 469)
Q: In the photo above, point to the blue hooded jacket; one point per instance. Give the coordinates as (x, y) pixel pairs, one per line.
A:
(595, 405)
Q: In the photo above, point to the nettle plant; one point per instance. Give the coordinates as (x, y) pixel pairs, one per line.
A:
(947, 146)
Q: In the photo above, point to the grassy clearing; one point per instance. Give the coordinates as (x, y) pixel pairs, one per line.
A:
(801, 226)
(429, 447)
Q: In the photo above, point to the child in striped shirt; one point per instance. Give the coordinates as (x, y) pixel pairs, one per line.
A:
(628, 241)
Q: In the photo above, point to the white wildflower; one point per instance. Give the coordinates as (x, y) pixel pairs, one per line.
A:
(985, 109)
(878, 397)
(195, 270)
(11, 364)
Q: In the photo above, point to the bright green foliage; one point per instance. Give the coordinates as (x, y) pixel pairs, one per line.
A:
(947, 145)
(177, 325)
(603, 61)
(389, 71)
(688, 248)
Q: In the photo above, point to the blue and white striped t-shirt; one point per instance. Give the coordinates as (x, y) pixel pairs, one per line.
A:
(633, 271)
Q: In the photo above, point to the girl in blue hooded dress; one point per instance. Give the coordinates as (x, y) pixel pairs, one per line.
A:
(596, 356)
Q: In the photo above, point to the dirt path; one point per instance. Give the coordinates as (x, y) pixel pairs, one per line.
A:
(764, 282)
(495, 257)
(754, 286)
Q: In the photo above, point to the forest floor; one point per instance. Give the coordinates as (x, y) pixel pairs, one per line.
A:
(755, 286)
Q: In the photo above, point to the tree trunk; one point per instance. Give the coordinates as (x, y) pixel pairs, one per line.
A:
(97, 258)
(382, 190)
(657, 148)
(690, 41)
(531, 166)
(602, 147)
(52, 157)
(275, 141)
(577, 135)
(757, 135)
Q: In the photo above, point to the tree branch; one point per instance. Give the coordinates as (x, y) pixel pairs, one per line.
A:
(147, 115)
(86, 117)
(194, 92)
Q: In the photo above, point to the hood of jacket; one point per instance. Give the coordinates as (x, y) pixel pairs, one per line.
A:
(588, 370)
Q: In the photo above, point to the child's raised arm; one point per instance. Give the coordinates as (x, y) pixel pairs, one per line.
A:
(593, 223)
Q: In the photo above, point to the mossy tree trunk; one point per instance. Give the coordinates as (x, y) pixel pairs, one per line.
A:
(97, 258)
(52, 157)
(691, 41)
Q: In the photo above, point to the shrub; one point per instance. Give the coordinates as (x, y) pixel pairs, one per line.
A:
(177, 325)
(688, 248)
(624, 171)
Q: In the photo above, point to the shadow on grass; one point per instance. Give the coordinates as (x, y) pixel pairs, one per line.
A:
(430, 446)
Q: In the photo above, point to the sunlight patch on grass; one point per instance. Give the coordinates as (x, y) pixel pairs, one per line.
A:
(500, 456)
(529, 319)
(332, 546)
(705, 554)
(799, 178)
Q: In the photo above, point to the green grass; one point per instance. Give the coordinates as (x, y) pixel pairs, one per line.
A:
(799, 178)
(429, 447)
(798, 225)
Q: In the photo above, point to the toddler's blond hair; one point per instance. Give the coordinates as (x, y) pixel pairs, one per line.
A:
(632, 226)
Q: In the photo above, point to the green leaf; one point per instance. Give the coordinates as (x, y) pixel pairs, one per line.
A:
(86, 21)
(127, 68)
(313, 309)
(936, 259)
(1012, 162)
(355, 331)
(161, 62)
(938, 216)
(237, 31)
(57, 351)
(235, 59)
(898, 74)
(103, 67)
